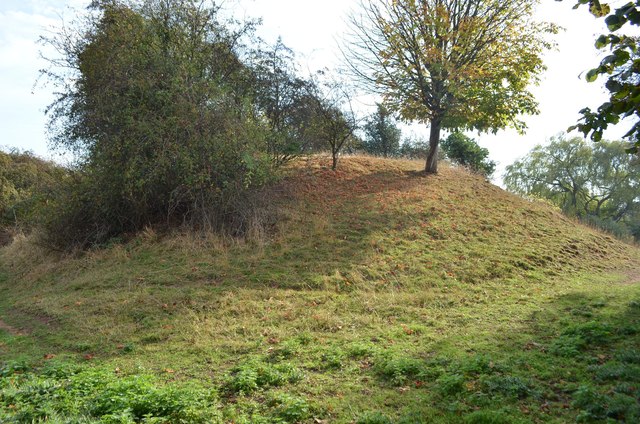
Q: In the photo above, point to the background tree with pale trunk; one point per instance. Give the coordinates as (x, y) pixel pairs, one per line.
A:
(598, 183)
(451, 64)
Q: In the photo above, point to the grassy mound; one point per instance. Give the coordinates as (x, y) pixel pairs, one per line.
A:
(385, 296)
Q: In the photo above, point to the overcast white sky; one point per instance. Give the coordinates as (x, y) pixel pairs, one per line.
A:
(313, 29)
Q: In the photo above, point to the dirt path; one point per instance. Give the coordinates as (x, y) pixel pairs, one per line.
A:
(9, 329)
(633, 277)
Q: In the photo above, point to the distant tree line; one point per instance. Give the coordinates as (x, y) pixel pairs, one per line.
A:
(599, 184)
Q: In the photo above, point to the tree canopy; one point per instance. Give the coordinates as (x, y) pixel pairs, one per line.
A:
(286, 101)
(176, 115)
(457, 64)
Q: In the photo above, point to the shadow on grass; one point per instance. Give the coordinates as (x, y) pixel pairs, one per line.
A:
(577, 360)
(334, 234)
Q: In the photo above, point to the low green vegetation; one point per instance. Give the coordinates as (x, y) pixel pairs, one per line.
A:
(384, 296)
(381, 134)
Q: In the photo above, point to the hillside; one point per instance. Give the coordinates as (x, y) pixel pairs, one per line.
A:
(384, 295)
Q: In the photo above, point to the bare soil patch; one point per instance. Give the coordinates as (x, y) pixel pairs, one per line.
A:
(9, 329)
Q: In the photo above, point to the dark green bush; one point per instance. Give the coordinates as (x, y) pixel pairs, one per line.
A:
(466, 152)
(161, 140)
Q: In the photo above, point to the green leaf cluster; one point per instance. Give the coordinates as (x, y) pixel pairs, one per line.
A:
(621, 67)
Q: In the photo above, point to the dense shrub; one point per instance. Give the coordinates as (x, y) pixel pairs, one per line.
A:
(27, 183)
(382, 136)
(466, 152)
(160, 113)
(176, 117)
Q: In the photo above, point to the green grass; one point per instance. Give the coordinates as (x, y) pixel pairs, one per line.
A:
(386, 296)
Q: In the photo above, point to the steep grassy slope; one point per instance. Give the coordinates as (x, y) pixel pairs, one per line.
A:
(386, 296)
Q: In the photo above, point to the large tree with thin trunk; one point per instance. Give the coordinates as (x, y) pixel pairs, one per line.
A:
(452, 64)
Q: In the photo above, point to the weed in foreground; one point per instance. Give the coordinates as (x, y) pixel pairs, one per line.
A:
(374, 418)
(249, 377)
(99, 394)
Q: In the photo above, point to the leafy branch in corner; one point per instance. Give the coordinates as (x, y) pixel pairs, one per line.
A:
(622, 70)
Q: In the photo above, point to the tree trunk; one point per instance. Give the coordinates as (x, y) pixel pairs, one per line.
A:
(334, 157)
(431, 166)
